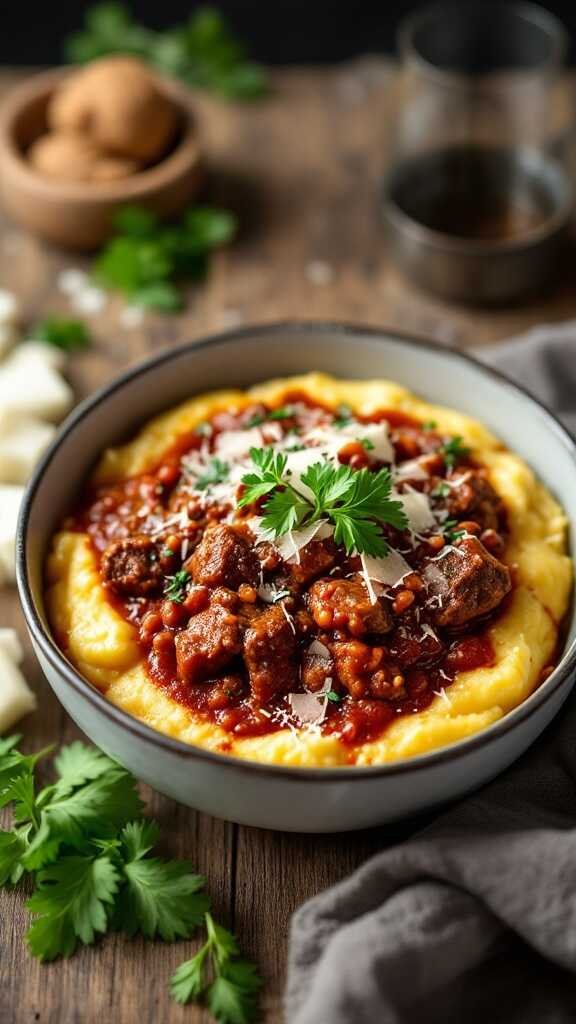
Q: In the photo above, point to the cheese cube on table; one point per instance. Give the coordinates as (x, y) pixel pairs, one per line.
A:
(10, 644)
(30, 383)
(22, 441)
(16, 697)
(10, 500)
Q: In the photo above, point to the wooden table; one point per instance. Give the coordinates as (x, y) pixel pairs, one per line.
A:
(302, 170)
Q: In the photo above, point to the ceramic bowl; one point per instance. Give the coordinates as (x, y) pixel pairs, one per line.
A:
(79, 215)
(291, 799)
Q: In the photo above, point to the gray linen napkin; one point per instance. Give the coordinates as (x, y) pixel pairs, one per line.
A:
(474, 918)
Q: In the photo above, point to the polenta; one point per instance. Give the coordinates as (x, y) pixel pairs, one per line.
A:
(313, 572)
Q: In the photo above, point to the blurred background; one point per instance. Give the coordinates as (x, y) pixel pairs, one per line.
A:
(276, 31)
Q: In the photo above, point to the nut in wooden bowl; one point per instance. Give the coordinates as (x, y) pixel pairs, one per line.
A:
(79, 214)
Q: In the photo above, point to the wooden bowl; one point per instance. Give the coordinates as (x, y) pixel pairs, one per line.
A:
(79, 215)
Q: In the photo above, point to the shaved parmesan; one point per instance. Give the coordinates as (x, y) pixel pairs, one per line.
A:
(290, 544)
(308, 707)
(10, 499)
(428, 631)
(333, 439)
(410, 470)
(10, 644)
(319, 650)
(390, 570)
(16, 697)
(418, 511)
(22, 441)
(269, 593)
(234, 444)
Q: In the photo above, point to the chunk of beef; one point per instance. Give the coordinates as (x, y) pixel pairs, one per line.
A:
(317, 557)
(475, 499)
(415, 643)
(270, 655)
(362, 670)
(208, 644)
(345, 604)
(224, 559)
(467, 581)
(132, 566)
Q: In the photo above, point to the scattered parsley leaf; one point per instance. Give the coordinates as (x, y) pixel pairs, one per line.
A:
(333, 697)
(256, 420)
(176, 586)
(203, 52)
(146, 259)
(160, 897)
(442, 490)
(450, 531)
(284, 412)
(167, 553)
(344, 416)
(454, 450)
(215, 473)
(231, 994)
(77, 764)
(68, 335)
(366, 444)
(429, 425)
(71, 902)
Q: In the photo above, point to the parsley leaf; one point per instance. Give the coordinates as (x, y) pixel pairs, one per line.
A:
(216, 472)
(450, 531)
(429, 425)
(68, 335)
(203, 52)
(160, 897)
(333, 697)
(356, 502)
(344, 416)
(454, 450)
(77, 764)
(146, 259)
(71, 903)
(442, 490)
(231, 994)
(283, 412)
(177, 585)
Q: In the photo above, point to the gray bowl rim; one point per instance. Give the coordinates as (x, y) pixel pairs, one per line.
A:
(121, 718)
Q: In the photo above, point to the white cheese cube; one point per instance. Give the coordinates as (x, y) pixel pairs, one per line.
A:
(34, 388)
(31, 352)
(9, 308)
(10, 499)
(10, 644)
(22, 441)
(16, 697)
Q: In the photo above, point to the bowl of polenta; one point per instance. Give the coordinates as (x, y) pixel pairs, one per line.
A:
(309, 577)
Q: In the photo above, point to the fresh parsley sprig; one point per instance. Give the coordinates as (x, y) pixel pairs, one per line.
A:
(87, 849)
(146, 259)
(176, 586)
(218, 977)
(203, 52)
(357, 503)
(215, 473)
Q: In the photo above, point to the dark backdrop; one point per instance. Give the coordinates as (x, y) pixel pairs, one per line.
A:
(277, 31)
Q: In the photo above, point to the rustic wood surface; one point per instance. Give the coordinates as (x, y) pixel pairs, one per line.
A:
(302, 170)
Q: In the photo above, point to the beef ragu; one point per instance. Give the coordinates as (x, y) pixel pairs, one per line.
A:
(263, 601)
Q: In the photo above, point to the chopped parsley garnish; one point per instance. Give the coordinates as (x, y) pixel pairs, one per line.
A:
(203, 52)
(333, 697)
(429, 425)
(453, 450)
(203, 428)
(284, 412)
(256, 420)
(176, 586)
(68, 335)
(344, 416)
(167, 553)
(86, 848)
(442, 490)
(450, 533)
(216, 472)
(366, 444)
(357, 503)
